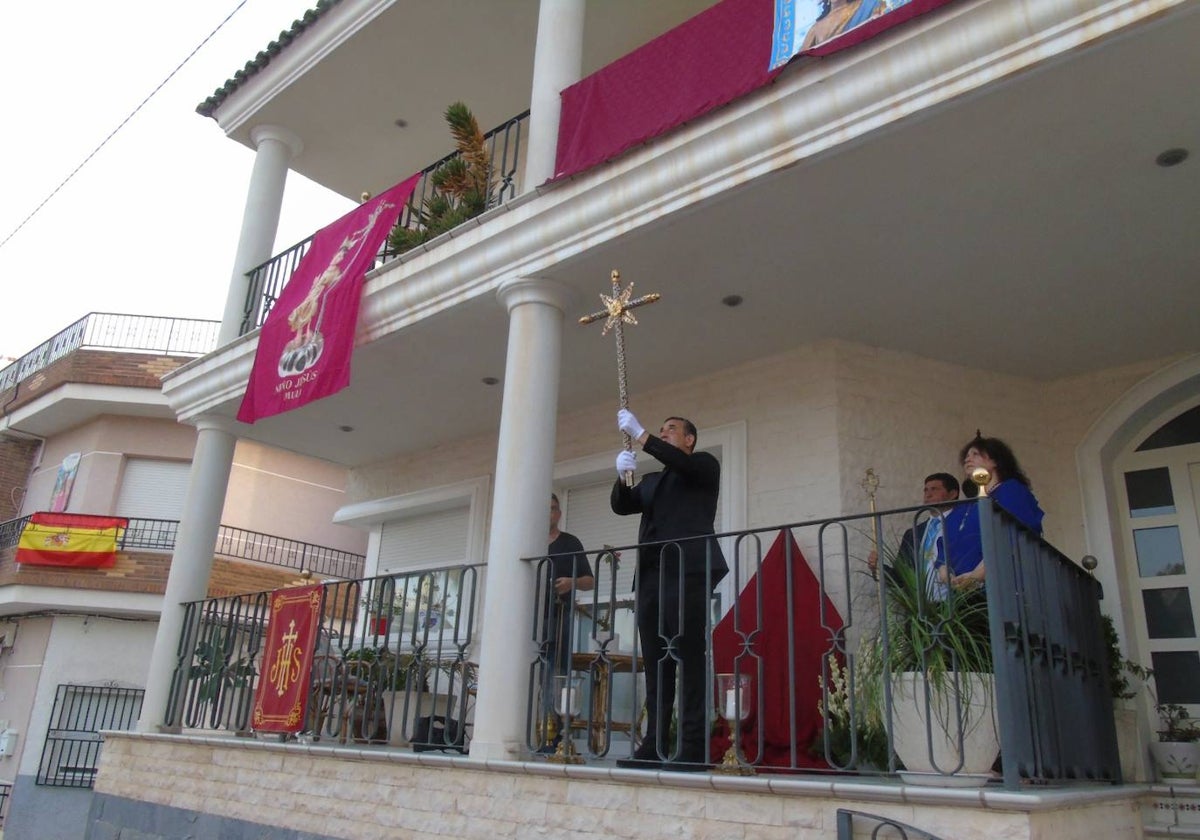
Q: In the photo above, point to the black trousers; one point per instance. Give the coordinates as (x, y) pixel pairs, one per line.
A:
(673, 650)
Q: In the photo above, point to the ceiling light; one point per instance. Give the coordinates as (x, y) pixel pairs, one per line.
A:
(732, 300)
(1171, 157)
(401, 122)
(346, 428)
(489, 380)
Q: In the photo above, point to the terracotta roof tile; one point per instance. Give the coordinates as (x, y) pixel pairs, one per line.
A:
(209, 106)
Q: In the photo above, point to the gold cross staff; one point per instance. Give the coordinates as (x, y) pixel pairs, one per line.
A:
(616, 312)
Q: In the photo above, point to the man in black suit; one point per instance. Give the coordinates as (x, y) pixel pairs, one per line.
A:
(941, 489)
(677, 505)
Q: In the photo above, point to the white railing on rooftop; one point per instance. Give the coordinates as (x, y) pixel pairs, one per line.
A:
(137, 333)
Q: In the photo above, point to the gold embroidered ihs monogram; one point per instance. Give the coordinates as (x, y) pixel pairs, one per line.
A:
(285, 670)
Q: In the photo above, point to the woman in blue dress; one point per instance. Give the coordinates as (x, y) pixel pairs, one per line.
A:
(1008, 487)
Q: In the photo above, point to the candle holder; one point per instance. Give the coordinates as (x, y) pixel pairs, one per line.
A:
(734, 693)
(566, 703)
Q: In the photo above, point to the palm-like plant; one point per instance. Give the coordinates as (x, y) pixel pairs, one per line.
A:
(214, 670)
(938, 637)
(461, 187)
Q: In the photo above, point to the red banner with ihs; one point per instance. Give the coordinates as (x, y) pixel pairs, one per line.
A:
(281, 702)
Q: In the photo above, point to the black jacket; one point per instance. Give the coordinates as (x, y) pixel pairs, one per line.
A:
(677, 503)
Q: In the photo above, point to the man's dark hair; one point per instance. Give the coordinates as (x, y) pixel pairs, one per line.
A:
(554, 498)
(948, 481)
(688, 426)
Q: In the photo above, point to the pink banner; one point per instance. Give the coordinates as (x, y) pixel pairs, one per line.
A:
(305, 345)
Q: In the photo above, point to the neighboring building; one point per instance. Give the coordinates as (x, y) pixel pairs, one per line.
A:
(85, 429)
(979, 219)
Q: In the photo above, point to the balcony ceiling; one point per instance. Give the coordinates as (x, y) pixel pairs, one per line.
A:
(416, 58)
(1023, 229)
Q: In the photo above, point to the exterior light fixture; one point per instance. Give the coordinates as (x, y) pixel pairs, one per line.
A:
(1171, 157)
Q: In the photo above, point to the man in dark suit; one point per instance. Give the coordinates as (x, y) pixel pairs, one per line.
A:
(941, 489)
(677, 505)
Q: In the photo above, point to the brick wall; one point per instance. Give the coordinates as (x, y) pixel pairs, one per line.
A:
(94, 367)
(144, 572)
(16, 463)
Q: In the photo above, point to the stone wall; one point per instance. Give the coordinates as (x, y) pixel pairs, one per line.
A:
(153, 783)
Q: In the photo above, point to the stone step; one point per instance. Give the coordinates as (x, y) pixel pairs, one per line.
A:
(1176, 831)
(1172, 811)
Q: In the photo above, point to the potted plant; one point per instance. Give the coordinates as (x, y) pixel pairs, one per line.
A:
(853, 734)
(461, 186)
(1176, 753)
(1126, 680)
(939, 658)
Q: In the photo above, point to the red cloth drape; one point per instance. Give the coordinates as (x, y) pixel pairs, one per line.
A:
(719, 55)
(760, 646)
(711, 59)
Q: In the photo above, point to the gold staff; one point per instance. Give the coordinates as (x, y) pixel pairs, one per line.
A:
(616, 312)
(870, 485)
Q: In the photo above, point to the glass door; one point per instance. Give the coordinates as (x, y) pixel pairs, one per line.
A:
(1158, 488)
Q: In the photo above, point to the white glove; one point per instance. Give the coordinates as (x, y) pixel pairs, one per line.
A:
(626, 462)
(629, 424)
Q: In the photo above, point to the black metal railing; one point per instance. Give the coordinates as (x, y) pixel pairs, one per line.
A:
(391, 664)
(10, 531)
(5, 793)
(142, 333)
(817, 635)
(236, 543)
(71, 752)
(504, 144)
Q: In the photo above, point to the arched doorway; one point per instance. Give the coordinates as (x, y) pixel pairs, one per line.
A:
(1156, 490)
(1126, 423)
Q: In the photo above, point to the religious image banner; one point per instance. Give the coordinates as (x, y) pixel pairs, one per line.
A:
(60, 496)
(821, 27)
(281, 700)
(304, 348)
(76, 540)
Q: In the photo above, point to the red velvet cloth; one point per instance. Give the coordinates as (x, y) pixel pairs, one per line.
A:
(710, 60)
(765, 658)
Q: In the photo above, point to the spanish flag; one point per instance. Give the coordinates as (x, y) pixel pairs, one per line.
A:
(78, 540)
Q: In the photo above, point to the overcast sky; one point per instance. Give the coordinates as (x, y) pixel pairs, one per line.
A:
(150, 225)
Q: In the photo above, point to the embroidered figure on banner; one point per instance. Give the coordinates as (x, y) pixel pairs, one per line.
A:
(304, 349)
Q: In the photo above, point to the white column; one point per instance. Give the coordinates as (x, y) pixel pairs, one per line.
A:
(264, 197)
(557, 63)
(193, 558)
(520, 511)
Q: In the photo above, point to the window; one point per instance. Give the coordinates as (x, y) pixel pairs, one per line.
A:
(80, 712)
(425, 541)
(153, 489)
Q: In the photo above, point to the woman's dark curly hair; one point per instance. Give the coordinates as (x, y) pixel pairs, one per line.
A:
(1000, 452)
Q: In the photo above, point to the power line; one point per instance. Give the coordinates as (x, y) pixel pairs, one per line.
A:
(132, 114)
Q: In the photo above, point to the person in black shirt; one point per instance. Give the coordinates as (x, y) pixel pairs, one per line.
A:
(567, 570)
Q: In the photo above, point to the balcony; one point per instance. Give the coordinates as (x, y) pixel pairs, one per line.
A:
(504, 145)
(788, 195)
(144, 550)
(109, 331)
(415, 632)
